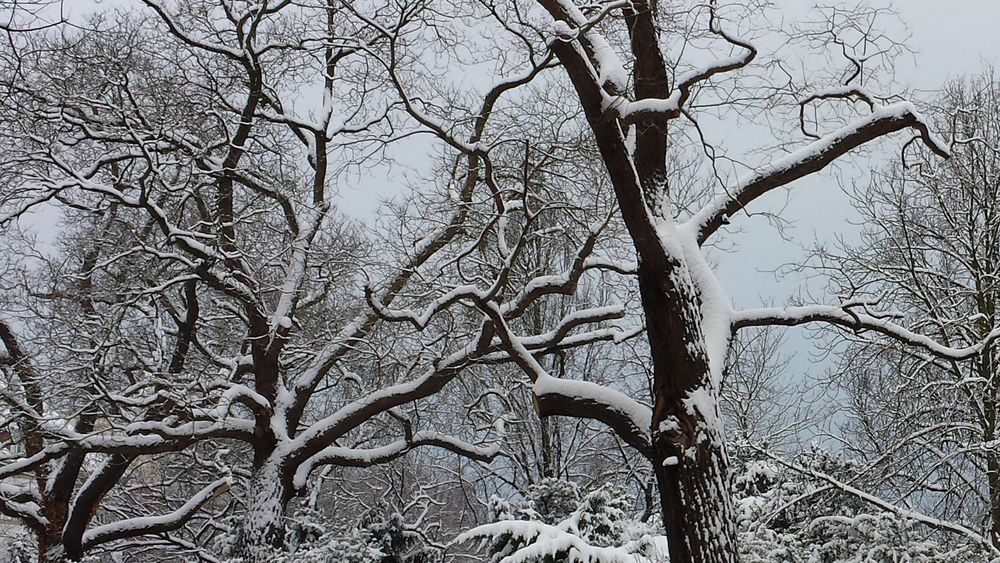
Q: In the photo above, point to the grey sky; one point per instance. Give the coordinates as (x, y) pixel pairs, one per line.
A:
(951, 38)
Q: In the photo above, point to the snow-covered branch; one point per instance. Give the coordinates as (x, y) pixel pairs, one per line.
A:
(812, 158)
(630, 419)
(149, 525)
(848, 318)
(366, 457)
(909, 514)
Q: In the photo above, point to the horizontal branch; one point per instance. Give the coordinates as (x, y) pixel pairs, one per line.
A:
(366, 457)
(810, 159)
(630, 419)
(846, 317)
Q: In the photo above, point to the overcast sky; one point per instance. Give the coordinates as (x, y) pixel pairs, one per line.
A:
(950, 39)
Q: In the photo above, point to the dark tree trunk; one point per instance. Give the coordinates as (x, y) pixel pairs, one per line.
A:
(262, 531)
(696, 505)
(688, 451)
(687, 434)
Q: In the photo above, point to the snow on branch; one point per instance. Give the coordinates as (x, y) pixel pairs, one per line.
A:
(366, 457)
(21, 502)
(848, 92)
(910, 514)
(323, 432)
(551, 341)
(626, 416)
(845, 316)
(177, 31)
(609, 71)
(812, 158)
(629, 418)
(671, 107)
(545, 540)
(420, 320)
(147, 525)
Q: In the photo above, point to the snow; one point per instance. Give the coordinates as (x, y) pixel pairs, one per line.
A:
(716, 308)
(783, 170)
(154, 524)
(704, 402)
(368, 456)
(545, 540)
(849, 318)
(609, 67)
(640, 415)
(562, 29)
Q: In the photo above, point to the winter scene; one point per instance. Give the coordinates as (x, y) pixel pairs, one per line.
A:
(499, 281)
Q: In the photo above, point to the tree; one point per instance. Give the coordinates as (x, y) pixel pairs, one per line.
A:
(104, 125)
(636, 110)
(198, 181)
(197, 189)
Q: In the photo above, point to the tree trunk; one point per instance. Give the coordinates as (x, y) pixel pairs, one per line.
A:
(694, 493)
(262, 531)
(50, 538)
(992, 458)
(695, 501)
(688, 454)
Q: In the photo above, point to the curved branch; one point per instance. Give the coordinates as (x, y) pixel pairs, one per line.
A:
(366, 457)
(148, 525)
(810, 159)
(629, 418)
(843, 317)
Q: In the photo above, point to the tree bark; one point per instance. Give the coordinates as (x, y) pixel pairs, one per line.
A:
(695, 502)
(694, 492)
(262, 530)
(688, 451)
(993, 480)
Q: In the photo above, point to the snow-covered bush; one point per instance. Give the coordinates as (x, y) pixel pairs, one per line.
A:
(557, 523)
(17, 546)
(787, 516)
(375, 538)
(784, 516)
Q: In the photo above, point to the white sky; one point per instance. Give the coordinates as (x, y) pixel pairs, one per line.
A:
(950, 39)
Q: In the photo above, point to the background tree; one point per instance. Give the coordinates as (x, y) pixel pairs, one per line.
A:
(201, 191)
(206, 238)
(923, 424)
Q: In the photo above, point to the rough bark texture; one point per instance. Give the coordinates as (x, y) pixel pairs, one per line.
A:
(262, 530)
(688, 448)
(694, 497)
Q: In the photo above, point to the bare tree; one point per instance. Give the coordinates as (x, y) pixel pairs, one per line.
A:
(923, 422)
(185, 140)
(639, 73)
(208, 204)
